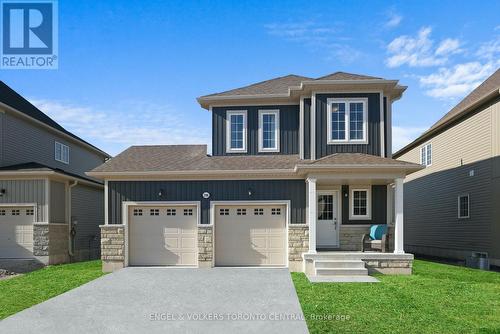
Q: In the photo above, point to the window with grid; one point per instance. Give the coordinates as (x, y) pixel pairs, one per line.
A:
(171, 212)
(137, 212)
(236, 131)
(463, 206)
(258, 211)
(269, 130)
(188, 212)
(2, 212)
(347, 121)
(224, 212)
(325, 207)
(30, 212)
(241, 212)
(16, 212)
(426, 155)
(275, 211)
(61, 153)
(360, 203)
(154, 212)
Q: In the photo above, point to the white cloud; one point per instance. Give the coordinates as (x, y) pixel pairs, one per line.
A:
(317, 37)
(133, 123)
(394, 20)
(490, 50)
(401, 136)
(456, 81)
(419, 51)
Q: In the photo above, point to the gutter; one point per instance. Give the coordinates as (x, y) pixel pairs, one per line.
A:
(70, 222)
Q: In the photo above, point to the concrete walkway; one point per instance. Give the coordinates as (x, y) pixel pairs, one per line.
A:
(170, 300)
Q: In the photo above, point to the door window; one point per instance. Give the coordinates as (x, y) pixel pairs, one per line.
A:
(325, 207)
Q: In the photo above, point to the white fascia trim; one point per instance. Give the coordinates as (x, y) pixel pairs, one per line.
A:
(382, 126)
(368, 190)
(17, 112)
(347, 139)
(229, 113)
(276, 113)
(202, 172)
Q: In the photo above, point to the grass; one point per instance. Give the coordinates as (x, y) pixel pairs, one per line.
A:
(437, 298)
(21, 292)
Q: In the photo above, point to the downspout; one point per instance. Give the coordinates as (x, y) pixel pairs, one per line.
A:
(70, 223)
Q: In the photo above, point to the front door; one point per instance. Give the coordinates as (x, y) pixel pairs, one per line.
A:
(327, 227)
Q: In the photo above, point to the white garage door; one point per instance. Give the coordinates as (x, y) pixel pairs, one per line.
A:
(250, 235)
(163, 235)
(16, 232)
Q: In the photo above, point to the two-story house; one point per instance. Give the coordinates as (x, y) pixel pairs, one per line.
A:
(300, 169)
(50, 211)
(452, 207)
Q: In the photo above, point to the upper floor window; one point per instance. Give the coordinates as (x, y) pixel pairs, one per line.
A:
(61, 153)
(426, 154)
(269, 124)
(236, 131)
(347, 121)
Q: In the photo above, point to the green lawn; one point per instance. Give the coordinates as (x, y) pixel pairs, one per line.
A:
(21, 292)
(437, 298)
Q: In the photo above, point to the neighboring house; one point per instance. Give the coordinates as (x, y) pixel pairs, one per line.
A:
(452, 207)
(44, 191)
(299, 167)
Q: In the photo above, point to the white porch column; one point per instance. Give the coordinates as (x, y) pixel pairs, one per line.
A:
(311, 215)
(398, 205)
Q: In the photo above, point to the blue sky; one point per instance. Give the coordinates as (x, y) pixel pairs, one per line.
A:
(130, 71)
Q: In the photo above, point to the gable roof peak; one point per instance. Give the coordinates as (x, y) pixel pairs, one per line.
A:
(346, 76)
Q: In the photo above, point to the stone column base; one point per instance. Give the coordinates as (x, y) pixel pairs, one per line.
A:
(112, 247)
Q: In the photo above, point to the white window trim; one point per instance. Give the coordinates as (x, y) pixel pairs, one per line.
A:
(229, 113)
(56, 143)
(468, 206)
(347, 140)
(276, 114)
(368, 215)
(425, 147)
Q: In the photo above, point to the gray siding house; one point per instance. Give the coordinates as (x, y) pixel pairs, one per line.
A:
(50, 211)
(452, 206)
(301, 168)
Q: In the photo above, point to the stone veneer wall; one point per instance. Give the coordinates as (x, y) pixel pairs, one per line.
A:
(205, 246)
(390, 266)
(298, 243)
(112, 247)
(50, 243)
(350, 237)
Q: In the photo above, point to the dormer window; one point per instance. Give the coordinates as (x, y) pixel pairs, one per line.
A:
(347, 121)
(269, 130)
(236, 131)
(61, 153)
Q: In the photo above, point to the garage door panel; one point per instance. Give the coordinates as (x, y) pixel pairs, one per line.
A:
(16, 232)
(255, 239)
(164, 236)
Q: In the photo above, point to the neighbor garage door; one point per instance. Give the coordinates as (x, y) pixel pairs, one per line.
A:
(162, 235)
(16, 232)
(250, 235)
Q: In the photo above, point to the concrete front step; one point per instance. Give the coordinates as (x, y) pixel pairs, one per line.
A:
(342, 279)
(333, 264)
(342, 272)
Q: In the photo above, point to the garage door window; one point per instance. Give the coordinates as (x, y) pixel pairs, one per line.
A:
(2, 212)
(276, 211)
(30, 212)
(137, 212)
(188, 212)
(171, 212)
(241, 212)
(258, 212)
(16, 212)
(224, 212)
(154, 212)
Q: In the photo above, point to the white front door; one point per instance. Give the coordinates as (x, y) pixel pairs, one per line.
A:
(327, 225)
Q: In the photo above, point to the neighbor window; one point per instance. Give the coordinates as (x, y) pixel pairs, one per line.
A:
(269, 124)
(236, 129)
(360, 204)
(347, 121)
(463, 206)
(426, 154)
(61, 153)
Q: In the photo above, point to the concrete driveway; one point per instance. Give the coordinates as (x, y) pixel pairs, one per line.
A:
(170, 300)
